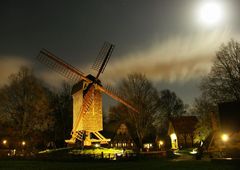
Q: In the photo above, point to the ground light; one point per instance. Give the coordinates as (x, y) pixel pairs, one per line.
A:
(194, 151)
(96, 153)
(97, 145)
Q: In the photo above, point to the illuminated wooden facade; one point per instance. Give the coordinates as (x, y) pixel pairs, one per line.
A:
(92, 119)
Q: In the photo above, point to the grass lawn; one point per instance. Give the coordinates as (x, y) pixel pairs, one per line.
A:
(125, 165)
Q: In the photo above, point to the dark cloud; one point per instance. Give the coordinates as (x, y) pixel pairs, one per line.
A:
(159, 38)
(176, 59)
(10, 65)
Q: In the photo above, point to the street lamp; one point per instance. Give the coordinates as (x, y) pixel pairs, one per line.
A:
(23, 143)
(225, 137)
(160, 144)
(4, 142)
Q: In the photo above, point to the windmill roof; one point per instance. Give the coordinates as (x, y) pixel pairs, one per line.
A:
(110, 129)
(76, 87)
(184, 124)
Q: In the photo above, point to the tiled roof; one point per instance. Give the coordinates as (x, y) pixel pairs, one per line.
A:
(184, 124)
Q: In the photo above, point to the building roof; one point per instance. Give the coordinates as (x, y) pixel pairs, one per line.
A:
(110, 129)
(229, 114)
(184, 124)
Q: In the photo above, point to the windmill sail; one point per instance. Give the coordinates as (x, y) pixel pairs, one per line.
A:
(61, 66)
(112, 93)
(103, 58)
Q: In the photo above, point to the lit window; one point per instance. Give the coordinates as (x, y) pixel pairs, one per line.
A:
(147, 145)
(173, 136)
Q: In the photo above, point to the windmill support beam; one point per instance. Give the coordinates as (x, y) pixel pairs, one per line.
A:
(88, 140)
(53, 61)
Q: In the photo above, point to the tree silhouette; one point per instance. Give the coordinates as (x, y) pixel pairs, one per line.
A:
(139, 91)
(223, 82)
(62, 104)
(170, 105)
(25, 104)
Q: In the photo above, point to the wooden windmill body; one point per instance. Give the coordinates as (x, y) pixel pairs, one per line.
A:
(90, 121)
(87, 96)
(92, 118)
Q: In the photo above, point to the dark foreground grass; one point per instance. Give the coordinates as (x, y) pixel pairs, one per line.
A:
(116, 165)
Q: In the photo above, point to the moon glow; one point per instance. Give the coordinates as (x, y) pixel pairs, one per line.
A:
(210, 13)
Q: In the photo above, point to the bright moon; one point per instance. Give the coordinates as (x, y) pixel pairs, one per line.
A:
(210, 13)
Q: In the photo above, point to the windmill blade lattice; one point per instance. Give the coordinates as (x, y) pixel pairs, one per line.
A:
(60, 66)
(110, 91)
(105, 52)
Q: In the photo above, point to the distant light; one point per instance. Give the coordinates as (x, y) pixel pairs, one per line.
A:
(225, 137)
(4, 142)
(147, 145)
(210, 13)
(23, 143)
(160, 142)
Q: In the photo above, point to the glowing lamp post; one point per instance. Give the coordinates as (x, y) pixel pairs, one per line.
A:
(4, 142)
(23, 143)
(225, 137)
(161, 144)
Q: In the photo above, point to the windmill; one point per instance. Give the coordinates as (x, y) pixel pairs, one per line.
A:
(87, 95)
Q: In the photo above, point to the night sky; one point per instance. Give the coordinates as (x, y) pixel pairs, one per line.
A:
(163, 39)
